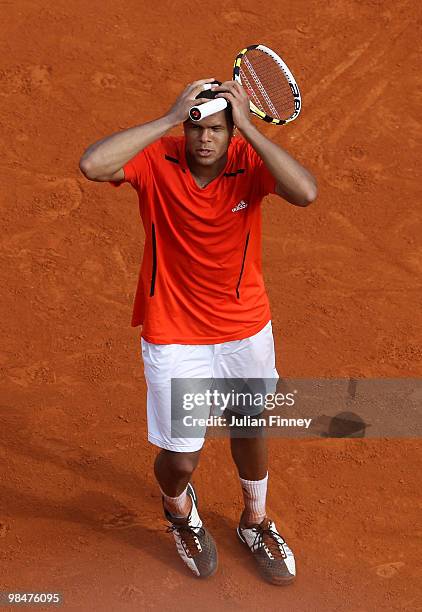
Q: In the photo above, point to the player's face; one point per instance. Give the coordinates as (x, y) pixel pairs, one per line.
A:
(207, 141)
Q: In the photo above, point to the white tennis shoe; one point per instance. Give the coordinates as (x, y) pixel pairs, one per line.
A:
(269, 549)
(194, 543)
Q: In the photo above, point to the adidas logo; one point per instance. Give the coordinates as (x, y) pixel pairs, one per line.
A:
(239, 206)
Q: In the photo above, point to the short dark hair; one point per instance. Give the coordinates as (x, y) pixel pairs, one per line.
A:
(208, 93)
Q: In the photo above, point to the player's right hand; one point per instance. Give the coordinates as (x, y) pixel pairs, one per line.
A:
(179, 112)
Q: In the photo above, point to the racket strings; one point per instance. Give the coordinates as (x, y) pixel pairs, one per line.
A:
(272, 78)
(257, 84)
(267, 84)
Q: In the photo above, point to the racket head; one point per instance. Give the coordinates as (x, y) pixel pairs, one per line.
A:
(275, 95)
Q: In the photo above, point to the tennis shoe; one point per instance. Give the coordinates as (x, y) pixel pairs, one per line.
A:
(270, 551)
(194, 543)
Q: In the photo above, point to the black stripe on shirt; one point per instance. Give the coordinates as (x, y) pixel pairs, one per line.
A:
(171, 159)
(240, 171)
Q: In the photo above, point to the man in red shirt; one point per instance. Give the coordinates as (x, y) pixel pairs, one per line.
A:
(201, 298)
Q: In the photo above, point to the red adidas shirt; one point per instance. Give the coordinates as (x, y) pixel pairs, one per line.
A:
(200, 280)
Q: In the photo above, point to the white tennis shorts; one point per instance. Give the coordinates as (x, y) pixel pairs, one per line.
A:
(252, 357)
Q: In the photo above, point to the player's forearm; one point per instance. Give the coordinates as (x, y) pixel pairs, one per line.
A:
(295, 184)
(108, 155)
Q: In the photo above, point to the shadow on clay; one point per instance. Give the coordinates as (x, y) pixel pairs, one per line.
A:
(103, 514)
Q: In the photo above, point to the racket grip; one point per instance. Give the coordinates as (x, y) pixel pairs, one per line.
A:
(206, 109)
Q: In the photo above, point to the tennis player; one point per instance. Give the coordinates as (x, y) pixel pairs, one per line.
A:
(201, 298)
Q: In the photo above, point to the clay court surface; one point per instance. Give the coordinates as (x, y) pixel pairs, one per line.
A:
(79, 509)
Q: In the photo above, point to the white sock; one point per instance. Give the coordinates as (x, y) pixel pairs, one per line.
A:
(180, 506)
(254, 496)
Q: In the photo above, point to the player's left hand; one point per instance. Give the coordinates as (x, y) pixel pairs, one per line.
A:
(239, 100)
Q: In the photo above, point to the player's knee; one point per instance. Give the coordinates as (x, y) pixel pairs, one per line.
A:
(184, 466)
(181, 465)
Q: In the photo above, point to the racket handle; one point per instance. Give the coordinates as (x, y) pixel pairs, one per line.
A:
(206, 109)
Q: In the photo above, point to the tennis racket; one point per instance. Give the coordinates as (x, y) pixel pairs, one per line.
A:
(273, 91)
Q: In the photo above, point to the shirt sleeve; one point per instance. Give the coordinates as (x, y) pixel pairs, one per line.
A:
(264, 181)
(137, 170)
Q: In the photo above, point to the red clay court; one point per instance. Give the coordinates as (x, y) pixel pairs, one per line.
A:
(80, 511)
